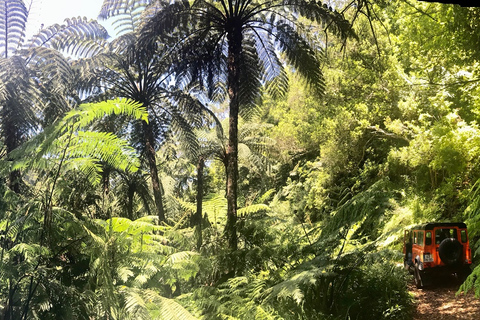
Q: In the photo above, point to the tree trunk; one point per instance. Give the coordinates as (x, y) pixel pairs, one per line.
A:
(152, 162)
(106, 189)
(12, 141)
(197, 218)
(234, 37)
(131, 195)
(14, 181)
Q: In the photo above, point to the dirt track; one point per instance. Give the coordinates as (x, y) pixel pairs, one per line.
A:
(439, 302)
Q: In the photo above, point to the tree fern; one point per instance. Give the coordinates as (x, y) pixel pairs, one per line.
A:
(37, 81)
(13, 19)
(80, 149)
(136, 266)
(167, 309)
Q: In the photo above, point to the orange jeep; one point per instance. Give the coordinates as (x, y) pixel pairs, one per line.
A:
(437, 248)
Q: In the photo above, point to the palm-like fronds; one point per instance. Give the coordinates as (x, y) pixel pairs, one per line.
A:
(127, 14)
(36, 80)
(81, 150)
(236, 43)
(13, 19)
(142, 74)
(77, 36)
(142, 258)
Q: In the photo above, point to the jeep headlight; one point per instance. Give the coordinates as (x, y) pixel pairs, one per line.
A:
(427, 257)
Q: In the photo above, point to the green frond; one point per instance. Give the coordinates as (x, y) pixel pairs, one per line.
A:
(267, 195)
(135, 305)
(83, 150)
(291, 288)
(105, 147)
(250, 78)
(89, 112)
(91, 168)
(169, 309)
(30, 252)
(253, 209)
(300, 55)
(51, 66)
(472, 283)
(148, 219)
(165, 21)
(215, 207)
(331, 19)
(360, 210)
(142, 225)
(262, 314)
(124, 273)
(97, 239)
(188, 206)
(180, 257)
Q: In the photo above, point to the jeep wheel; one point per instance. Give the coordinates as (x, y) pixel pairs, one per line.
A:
(450, 251)
(418, 278)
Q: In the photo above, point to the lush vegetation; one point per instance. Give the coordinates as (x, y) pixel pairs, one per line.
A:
(232, 159)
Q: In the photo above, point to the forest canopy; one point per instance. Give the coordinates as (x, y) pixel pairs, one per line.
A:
(233, 159)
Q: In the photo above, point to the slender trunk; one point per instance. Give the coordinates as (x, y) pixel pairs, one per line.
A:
(131, 195)
(14, 181)
(106, 187)
(234, 37)
(12, 141)
(152, 162)
(197, 218)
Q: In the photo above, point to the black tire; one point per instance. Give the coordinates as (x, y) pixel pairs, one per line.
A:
(418, 278)
(450, 251)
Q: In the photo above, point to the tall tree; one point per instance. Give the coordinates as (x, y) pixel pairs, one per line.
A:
(233, 47)
(141, 72)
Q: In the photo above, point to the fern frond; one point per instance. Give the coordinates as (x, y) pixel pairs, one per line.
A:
(180, 257)
(253, 209)
(135, 305)
(31, 251)
(300, 55)
(13, 20)
(169, 309)
(124, 273)
(89, 112)
(105, 147)
(262, 314)
(91, 168)
(112, 8)
(78, 36)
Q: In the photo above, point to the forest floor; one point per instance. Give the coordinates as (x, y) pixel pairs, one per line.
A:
(439, 301)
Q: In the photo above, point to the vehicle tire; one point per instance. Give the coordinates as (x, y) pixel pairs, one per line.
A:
(450, 251)
(418, 278)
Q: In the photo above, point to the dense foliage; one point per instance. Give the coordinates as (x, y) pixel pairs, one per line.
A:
(131, 190)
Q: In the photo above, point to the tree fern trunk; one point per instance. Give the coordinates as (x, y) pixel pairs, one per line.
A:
(131, 195)
(152, 162)
(106, 186)
(197, 218)
(234, 36)
(12, 141)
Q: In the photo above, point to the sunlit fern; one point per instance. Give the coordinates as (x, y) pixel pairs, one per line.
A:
(67, 145)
